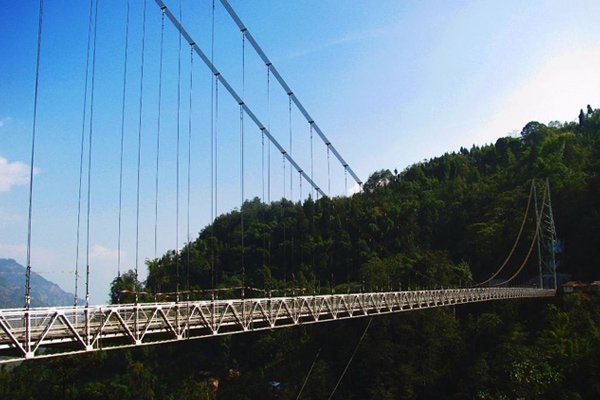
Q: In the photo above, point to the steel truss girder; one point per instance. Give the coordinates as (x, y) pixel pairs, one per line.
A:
(60, 331)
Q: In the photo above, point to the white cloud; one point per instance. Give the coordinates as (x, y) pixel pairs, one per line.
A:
(14, 251)
(356, 188)
(4, 121)
(103, 269)
(40, 255)
(14, 173)
(101, 253)
(562, 85)
(348, 38)
(8, 217)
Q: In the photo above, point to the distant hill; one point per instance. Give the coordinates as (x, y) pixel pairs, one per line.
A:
(43, 292)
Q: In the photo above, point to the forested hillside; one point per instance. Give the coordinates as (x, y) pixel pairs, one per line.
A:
(435, 223)
(446, 222)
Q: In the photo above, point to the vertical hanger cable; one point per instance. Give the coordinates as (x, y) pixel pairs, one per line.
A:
(139, 155)
(35, 105)
(90, 148)
(177, 140)
(212, 154)
(158, 121)
(291, 145)
(189, 171)
(243, 293)
(81, 153)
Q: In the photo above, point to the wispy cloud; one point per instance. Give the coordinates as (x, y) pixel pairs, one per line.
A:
(40, 255)
(353, 189)
(349, 38)
(8, 217)
(102, 253)
(4, 121)
(562, 85)
(15, 251)
(14, 173)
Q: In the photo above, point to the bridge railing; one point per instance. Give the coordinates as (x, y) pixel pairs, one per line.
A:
(54, 331)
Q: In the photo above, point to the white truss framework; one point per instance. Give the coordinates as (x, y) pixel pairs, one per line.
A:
(58, 331)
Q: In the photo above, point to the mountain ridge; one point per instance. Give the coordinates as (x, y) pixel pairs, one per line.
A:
(44, 293)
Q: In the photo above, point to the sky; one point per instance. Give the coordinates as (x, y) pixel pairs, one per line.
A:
(389, 82)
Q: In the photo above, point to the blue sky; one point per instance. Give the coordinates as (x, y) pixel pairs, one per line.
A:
(390, 82)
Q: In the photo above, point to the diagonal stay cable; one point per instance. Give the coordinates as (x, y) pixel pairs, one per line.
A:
(308, 374)
(350, 360)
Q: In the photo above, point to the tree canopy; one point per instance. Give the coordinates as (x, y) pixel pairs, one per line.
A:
(448, 221)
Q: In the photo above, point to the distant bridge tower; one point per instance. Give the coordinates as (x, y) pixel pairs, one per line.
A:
(546, 238)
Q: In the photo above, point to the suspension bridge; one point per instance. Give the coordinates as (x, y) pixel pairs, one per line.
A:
(33, 332)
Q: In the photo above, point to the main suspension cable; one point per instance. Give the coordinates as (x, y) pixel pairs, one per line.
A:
(518, 238)
(89, 177)
(139, 155)
(230, 89)
(81, 152)
(285, 86)
(35, 106)
(533, 242)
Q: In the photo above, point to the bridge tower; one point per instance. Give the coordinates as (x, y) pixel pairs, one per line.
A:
(546, 237)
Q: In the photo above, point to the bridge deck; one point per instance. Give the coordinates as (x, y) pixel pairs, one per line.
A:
(56, 331)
